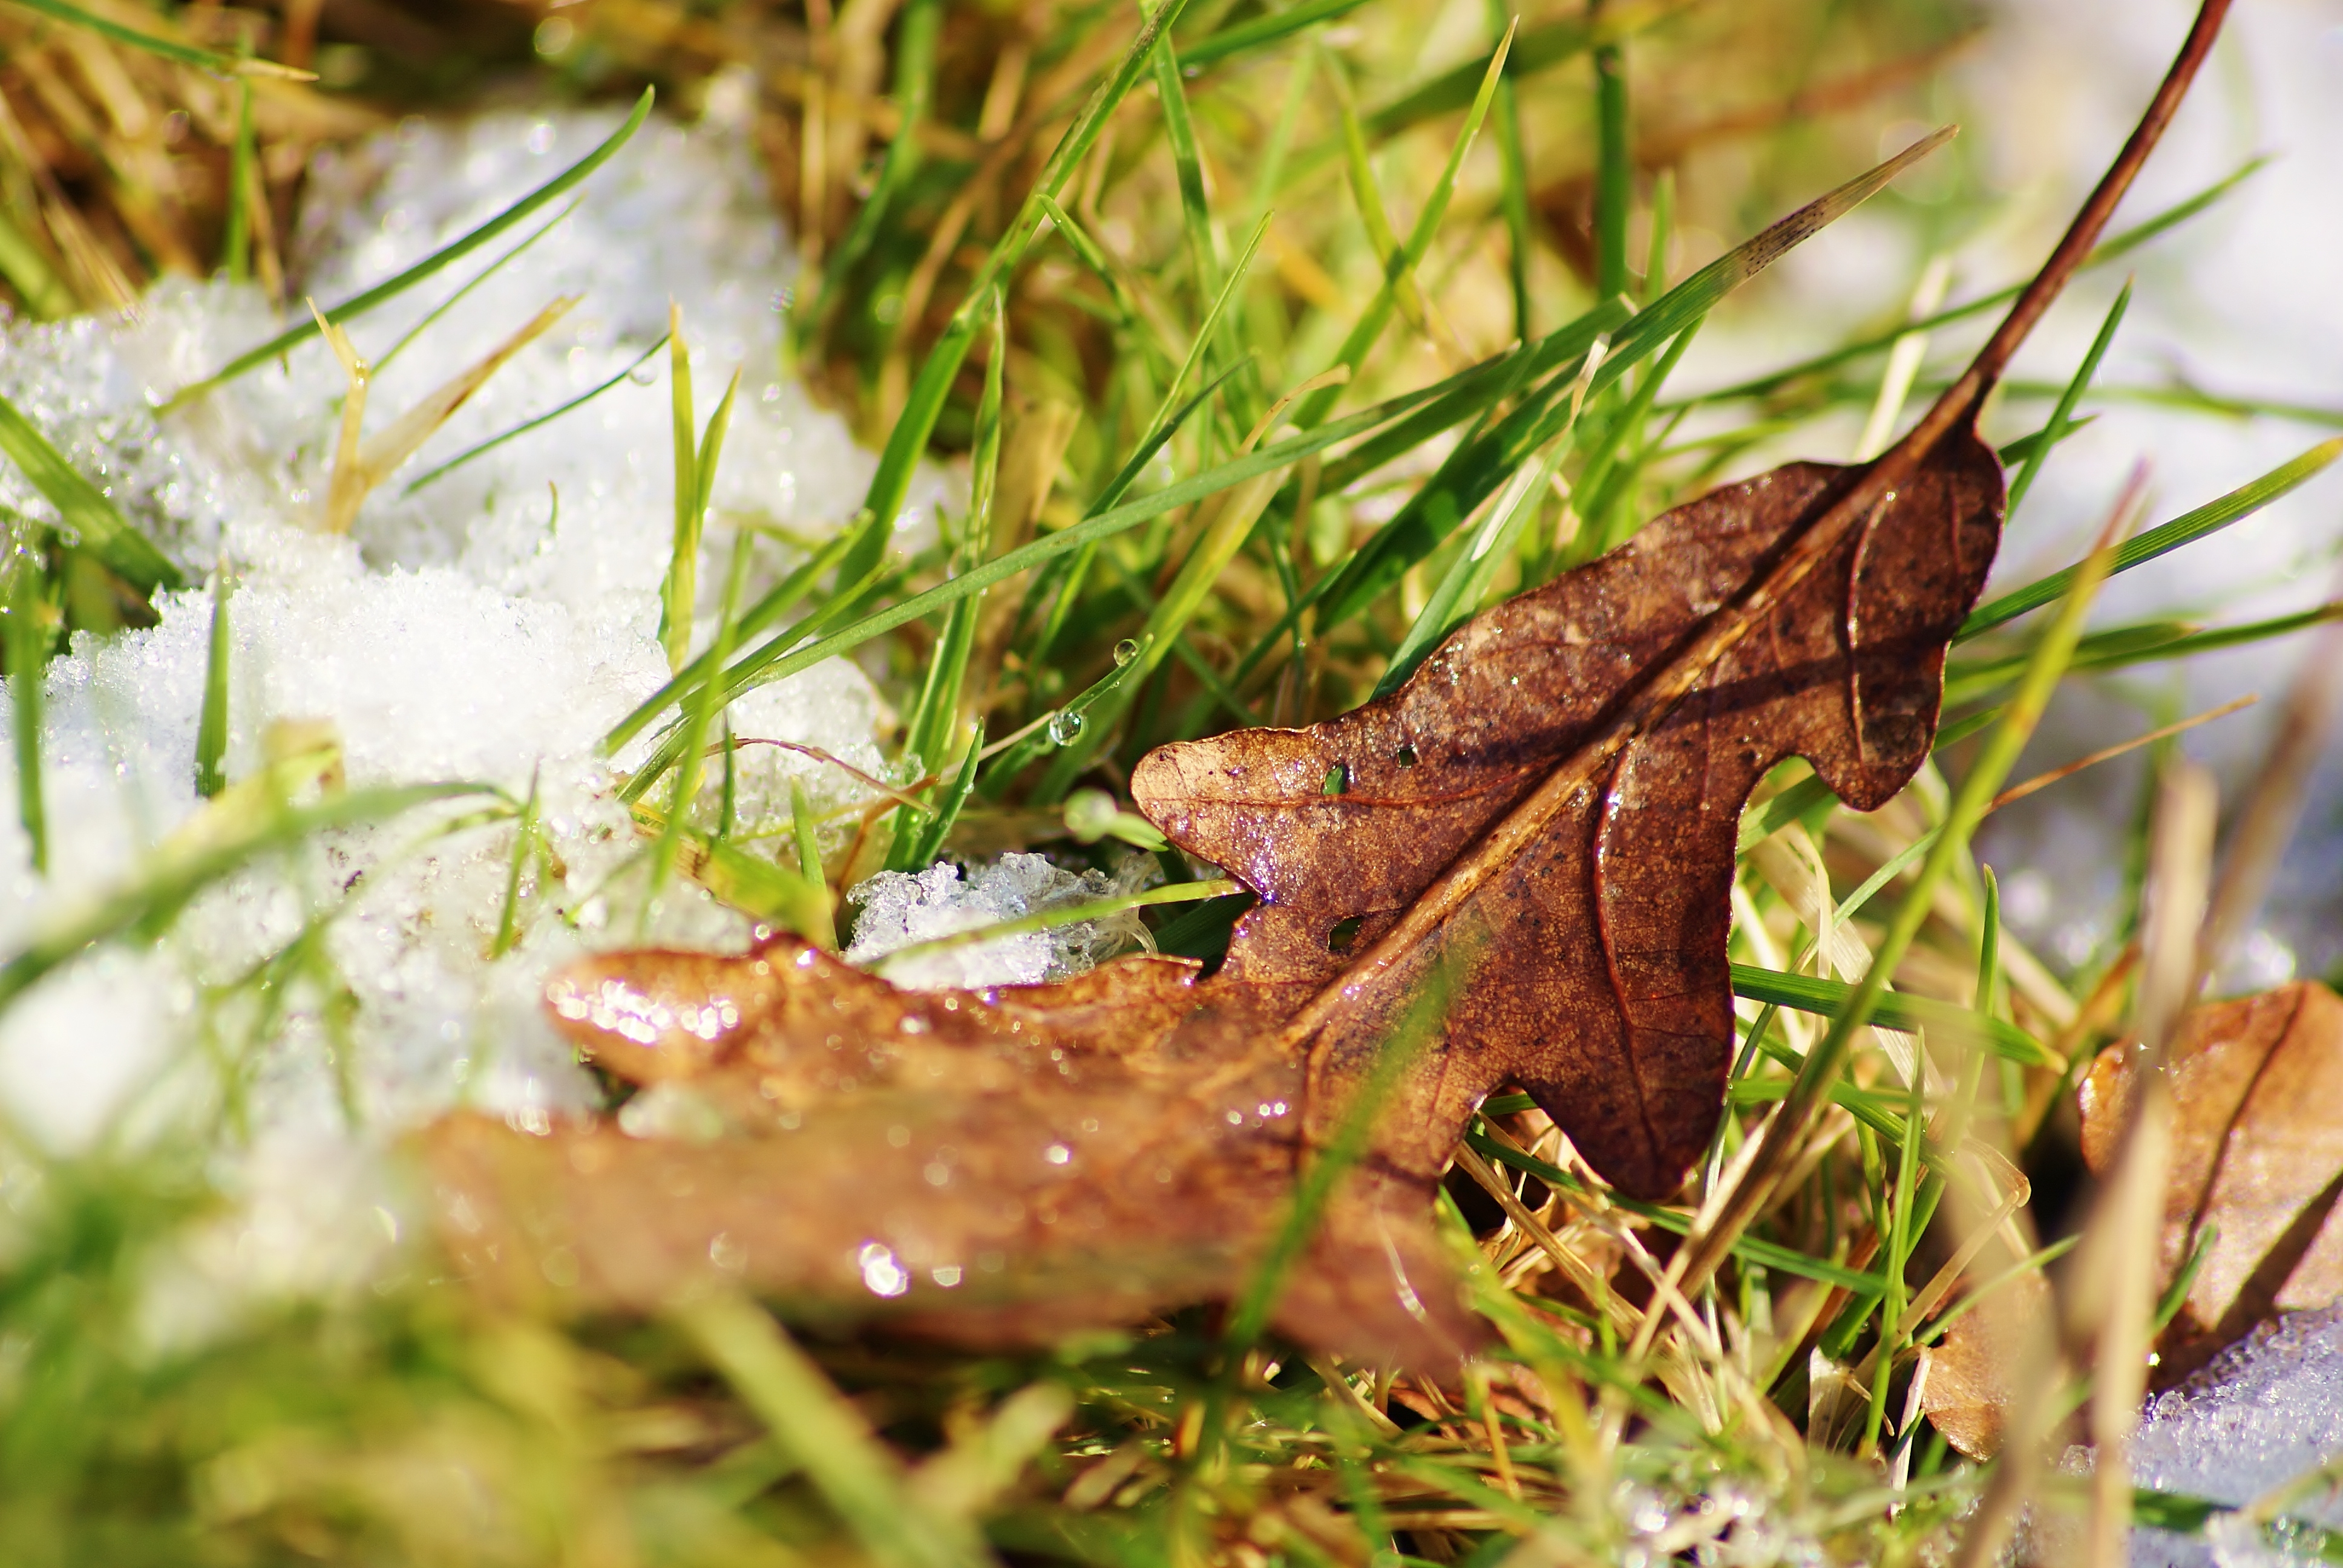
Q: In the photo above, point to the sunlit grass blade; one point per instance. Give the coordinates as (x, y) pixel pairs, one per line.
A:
(1180, 137)
(429, 267)
(778, 663)
(2113, 248)
(679, 590)
(930, 844)
(1398, 268)
(236, 244)
(1468, 580)
(483, 275)
(2068, 399)
(46, 295)
(827, 1436)
(177, 51)
(697, 724)
(1828, 998)
(929, 736)
(211, 724)
(1477, 467)
(914, 86)
(1615, 172)
(1060, 915)
(1537, 49)
(907, 442)
(91, 521)
(2187, 528)
(28, 663)
(777, 602)
(1260, 31)
(524, 848)
(1606, 484)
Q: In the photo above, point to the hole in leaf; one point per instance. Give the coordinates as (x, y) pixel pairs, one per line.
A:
(1407, 756)
(1338, 780)
(1345, 934)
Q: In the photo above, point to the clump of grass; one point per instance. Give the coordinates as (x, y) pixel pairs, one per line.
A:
(1243, 444)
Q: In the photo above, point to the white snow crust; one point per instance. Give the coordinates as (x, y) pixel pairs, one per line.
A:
(463, 632)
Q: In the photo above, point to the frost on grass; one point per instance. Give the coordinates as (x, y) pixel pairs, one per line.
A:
(900, 909)
(489, 625)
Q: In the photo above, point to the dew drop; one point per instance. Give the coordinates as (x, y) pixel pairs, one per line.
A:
(881, 1274)
(1124, 652)
(1065, 729)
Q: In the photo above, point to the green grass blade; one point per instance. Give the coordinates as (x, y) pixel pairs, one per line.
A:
(1467, 581)
(818, 925)
(2067, 401)
(931, 846)
(697, 725)
(1513, 183)
(927, 738)
(91, 520)
(46, 295)
(486, 273)
(1477, 467)
(430, 266)
(211, 725)
(236, 244)
(170, 49)
(1399, 270)
(1260, 31)
(1062, 915)
(712, 445)
(2111, 249)
(778, 600)
(2023, 449)
(827, 1436)
(524, 846)
(891, 483)
(28, 663)
(776, 663)
(914, 88)
(679, 588)
(1828, 999)
(1536, 49)
(1614, 170)
(171, 880)
(526, 426)
(2187, 528)
(1188, 171)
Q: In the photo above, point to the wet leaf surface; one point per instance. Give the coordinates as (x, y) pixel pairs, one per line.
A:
(2256, 1160)
(1014, 1164)
(1516, 866)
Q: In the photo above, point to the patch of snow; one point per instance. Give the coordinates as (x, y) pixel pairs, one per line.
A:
(465, 632)
(2266, 1412)
(901, 908)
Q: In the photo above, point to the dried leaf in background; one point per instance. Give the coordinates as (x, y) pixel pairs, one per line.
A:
(2258, 1157)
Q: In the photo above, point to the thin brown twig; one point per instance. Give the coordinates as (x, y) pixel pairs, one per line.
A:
(2040, 782)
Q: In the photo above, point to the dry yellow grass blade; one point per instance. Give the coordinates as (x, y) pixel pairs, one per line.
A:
(359, 467)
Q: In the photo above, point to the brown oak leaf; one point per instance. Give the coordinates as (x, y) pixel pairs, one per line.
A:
(1536, 831)
(2257, 1159)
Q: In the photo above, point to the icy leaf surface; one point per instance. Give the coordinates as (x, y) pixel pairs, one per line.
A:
(2257, 1153)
